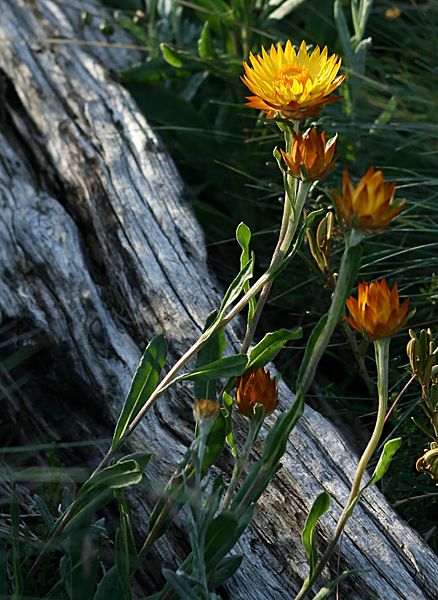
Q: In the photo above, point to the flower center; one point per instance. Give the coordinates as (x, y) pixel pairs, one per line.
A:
(285, 79)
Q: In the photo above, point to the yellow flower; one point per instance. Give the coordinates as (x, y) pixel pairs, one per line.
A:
(291, 85)
(256, 387)
(311, 156)
(377, 310)
(369, 205)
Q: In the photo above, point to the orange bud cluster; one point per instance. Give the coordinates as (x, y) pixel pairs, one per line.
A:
(256, 387)
(369, 205)
(311, 156)
(377, 311)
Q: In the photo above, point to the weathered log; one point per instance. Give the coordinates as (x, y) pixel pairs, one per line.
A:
(99, 251)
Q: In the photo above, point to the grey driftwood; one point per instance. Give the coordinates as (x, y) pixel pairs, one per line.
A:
(99, 250)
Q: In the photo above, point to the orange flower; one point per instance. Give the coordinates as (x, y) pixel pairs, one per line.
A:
(256, 387)
(377, 310)
(369, 205)
(311, 156)
(291, 85)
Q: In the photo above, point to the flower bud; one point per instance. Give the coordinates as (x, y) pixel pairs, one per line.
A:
(377, 311)
(311, 156)
(256, 387)
(421, 353)
(370, 205)
(428, 463)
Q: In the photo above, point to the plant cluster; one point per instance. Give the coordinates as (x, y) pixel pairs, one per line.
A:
(291, 86)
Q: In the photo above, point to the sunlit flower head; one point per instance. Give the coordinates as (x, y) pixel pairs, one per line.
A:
(377, 312)
(370, 205)
(292, 85)
(256, 387)
(311, 156)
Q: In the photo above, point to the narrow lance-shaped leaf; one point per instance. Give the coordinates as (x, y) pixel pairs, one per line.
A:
(228, 411)
(212, 351)
(389, 449)
(205, 43)
(226, 569)
(143, 384)
(180, 583)
(126, 552)
(122, 474)
(110, 585)
(171, 56)
(233, 292)
(230, 366)
(268, 348)
(243, 237)
(320, 506)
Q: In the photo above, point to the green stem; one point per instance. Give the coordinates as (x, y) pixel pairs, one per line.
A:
(291, 218)
(253, 432)
(347, 273)
(292, 209)
(382, 361)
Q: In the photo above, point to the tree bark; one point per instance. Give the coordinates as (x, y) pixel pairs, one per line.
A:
(100, 251)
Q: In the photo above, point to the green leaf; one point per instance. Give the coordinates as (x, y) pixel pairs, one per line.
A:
(143, 384)
(268, 348)
(389, 449)
(170, 501)
(205, 43)
(243, 237)
(178, 582)
(122, 474)
(215, 442)
(141, 458)
(320, 506)
(126, 552)
(44, 511)
(99, 489)
(122, 563)
(276, 440)
(223, 533)
(82, 516)
(109, 586)
(212, 351)
(236, 287)
(171, 56)
(228, 412)
(226, 569)
(343, 32)
(230, 366)
(310, 346)
(81, 576)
